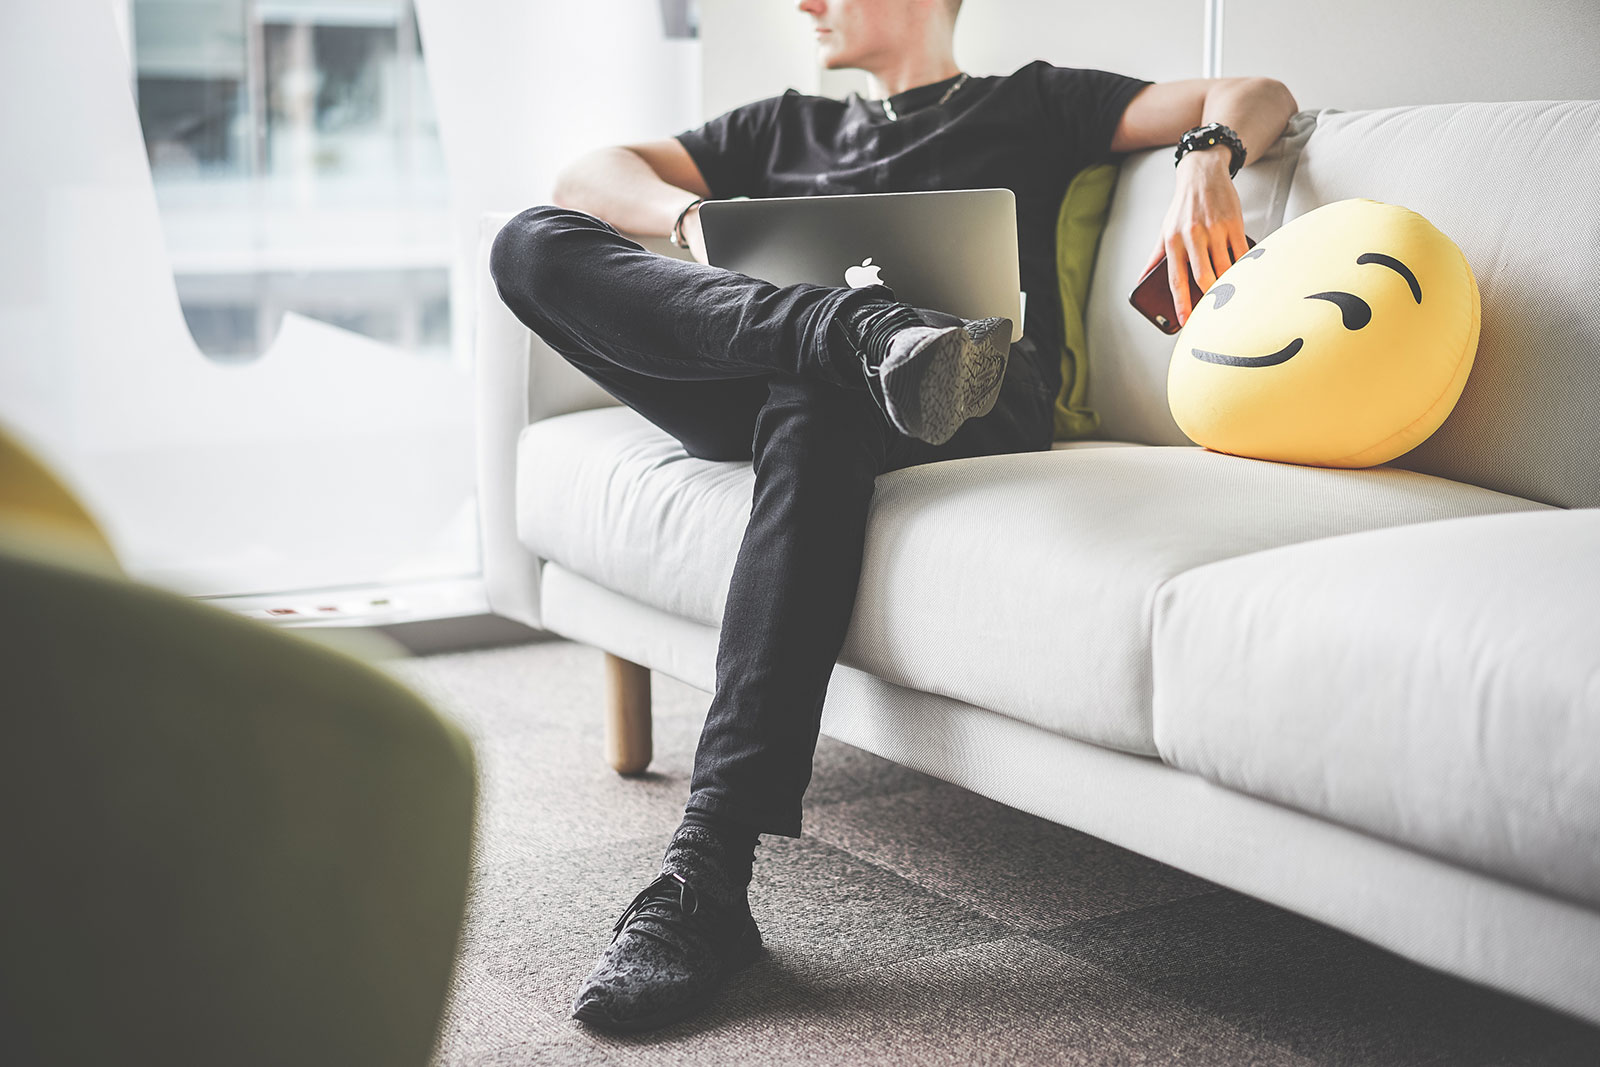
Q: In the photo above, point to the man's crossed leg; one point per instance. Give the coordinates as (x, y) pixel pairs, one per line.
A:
(734, 368)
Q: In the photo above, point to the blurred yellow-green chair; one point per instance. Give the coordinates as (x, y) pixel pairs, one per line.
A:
(224, 844)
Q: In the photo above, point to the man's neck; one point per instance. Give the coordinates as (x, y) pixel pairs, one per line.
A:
(910, 73)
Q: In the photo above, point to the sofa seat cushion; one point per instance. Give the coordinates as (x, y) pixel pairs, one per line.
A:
(1021, 583)
(613, 498)
(1436, 685)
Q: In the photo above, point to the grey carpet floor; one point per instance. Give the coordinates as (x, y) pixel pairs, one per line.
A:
(913, 923)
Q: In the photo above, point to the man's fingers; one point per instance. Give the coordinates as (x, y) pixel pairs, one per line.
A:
(1220, 258)
(1202, 251)
(1200, 261)
(1178, 276)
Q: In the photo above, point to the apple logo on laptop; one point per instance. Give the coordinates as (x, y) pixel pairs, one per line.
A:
(864, 275)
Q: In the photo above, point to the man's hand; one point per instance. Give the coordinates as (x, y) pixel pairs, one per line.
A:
(1203, 234)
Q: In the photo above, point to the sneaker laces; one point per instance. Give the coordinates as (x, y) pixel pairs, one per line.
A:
(668, 890)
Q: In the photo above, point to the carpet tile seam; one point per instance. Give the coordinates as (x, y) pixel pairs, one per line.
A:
(1181, 1003)
(957, 901)
(549, 854)
(1175, 1007)
(1140, 909)
(1009, 935)
(1030, 931)
(889, 791)
(1435, 1060)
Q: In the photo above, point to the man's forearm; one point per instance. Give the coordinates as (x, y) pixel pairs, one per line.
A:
(1257, 109)
(617, 185)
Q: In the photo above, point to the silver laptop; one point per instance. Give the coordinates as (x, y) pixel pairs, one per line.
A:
(952, 251)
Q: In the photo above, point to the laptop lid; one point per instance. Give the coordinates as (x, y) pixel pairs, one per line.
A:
(950, 250)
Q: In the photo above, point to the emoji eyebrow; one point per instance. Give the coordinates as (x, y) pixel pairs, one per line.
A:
(1256, 251)
(1396, 266)
(1355, 311)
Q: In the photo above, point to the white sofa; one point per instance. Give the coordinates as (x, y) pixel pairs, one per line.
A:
(1372, 697)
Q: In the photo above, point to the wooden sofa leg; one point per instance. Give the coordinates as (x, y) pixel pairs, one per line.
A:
(627, 715)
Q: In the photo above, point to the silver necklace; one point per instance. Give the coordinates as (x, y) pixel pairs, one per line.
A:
(888, 108)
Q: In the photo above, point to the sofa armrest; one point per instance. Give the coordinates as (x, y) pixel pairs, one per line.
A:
(503, 350)
(518, 380)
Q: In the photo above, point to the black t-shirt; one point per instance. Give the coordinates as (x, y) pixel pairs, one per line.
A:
(1029, 132)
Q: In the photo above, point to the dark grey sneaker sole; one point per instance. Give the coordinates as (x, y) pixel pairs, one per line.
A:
(950, 377)
(594, 1014)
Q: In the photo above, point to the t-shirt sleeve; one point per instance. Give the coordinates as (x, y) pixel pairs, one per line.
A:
(1086, 106)
(734, 151)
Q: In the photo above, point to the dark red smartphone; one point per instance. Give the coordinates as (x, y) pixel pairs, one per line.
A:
(1152, 297)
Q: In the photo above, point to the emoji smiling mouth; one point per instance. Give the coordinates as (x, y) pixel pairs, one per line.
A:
(1282, 355)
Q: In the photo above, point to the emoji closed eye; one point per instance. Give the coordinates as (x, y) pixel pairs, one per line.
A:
(1356, 311)
(1222, 291)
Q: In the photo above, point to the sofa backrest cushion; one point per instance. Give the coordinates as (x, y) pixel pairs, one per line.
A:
(1127, 355)
(1514, 184)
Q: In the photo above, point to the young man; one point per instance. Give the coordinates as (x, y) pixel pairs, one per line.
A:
(825, 388)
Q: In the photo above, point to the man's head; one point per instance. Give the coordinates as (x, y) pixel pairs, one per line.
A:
(872, 34)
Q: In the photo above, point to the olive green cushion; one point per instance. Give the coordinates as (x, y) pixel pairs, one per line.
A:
(1078, 227)
(223, 843)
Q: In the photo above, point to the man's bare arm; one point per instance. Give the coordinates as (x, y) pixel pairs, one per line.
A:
(638, 188)
(1203, 233)
(1159, 114)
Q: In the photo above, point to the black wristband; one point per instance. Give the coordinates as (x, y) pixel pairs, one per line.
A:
(676, 236)
(1212, 133)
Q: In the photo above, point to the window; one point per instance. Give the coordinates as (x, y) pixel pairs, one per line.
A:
(297, 164)
(301, 425)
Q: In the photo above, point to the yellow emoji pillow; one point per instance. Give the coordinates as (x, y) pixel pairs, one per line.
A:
(1343, 339)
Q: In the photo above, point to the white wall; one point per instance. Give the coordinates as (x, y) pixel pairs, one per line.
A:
(1350, 55)
(1157, 39)
(758, 48)
(1358, 54)
(752, 49)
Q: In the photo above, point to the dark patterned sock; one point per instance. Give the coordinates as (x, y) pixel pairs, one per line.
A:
(721, 847)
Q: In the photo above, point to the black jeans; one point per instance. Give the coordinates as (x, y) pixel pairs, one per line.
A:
(737, 368)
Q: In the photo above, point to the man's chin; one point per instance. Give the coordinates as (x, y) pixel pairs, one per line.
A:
(832, 60)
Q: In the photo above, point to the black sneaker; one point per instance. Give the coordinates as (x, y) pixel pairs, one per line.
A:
(670, 952)
(929, 372)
